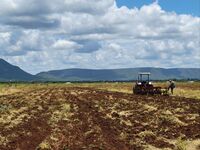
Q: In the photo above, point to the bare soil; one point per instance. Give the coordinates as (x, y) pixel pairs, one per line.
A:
(64, 118)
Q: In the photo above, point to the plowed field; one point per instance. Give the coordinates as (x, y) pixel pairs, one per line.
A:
(72, 118)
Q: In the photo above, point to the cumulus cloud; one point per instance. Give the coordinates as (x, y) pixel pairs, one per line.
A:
(37, 7)
(64, 45)
(61, 34)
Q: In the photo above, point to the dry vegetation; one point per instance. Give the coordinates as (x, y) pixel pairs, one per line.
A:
(94, 116)
(183, 89)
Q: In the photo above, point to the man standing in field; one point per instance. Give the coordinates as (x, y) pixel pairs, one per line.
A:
(171, 86)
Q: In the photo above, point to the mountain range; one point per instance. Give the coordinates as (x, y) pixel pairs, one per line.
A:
(120, 74)
(10, 72)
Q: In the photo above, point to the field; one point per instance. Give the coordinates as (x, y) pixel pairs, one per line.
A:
(98, 116)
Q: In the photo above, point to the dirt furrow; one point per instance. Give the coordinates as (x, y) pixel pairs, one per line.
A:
(85, 118)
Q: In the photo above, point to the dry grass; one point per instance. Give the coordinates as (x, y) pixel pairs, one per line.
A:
(62, 113)
(189, 93)
(8, 88)
(183, 89)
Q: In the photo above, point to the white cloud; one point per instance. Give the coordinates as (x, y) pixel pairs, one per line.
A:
(65, 44)
(95, 34)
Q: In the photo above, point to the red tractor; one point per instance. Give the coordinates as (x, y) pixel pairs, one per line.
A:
(143, 86)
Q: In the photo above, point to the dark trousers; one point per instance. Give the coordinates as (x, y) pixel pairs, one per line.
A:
(171, 89)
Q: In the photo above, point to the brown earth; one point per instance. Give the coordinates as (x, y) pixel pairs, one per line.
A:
(84, 118)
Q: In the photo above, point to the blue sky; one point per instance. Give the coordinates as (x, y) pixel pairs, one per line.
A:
(179, 6)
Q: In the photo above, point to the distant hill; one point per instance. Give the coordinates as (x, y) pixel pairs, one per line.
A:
(9, 72)
(119, 74)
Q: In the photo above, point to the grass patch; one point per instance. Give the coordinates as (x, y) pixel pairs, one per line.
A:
(181, 145)
(60, 114)
(167, 117)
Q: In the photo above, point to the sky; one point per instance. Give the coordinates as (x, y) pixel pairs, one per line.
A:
(191, 7)
(100, 34)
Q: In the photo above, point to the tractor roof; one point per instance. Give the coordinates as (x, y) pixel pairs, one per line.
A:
(144, 73)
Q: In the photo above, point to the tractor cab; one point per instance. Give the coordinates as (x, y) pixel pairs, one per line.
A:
(144, 86)
(144, 79)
